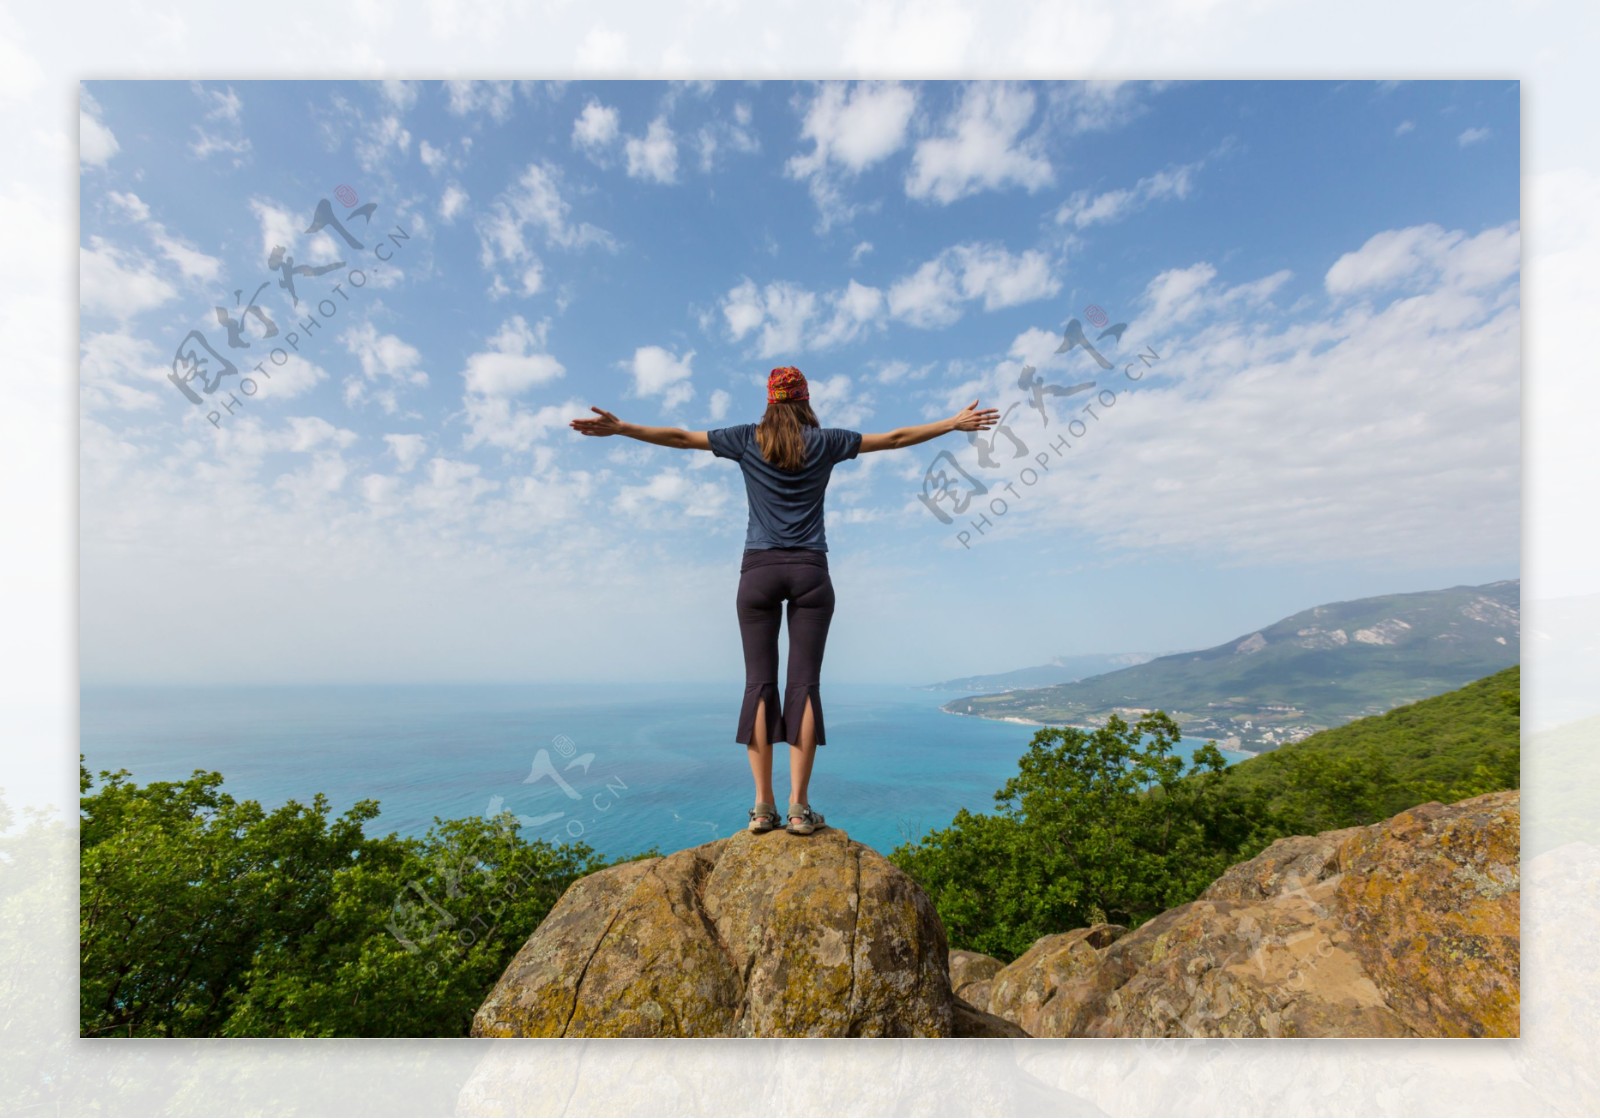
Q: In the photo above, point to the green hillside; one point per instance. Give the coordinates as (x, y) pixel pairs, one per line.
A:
(1314, 670)
(1112, 824)
(1445, 748)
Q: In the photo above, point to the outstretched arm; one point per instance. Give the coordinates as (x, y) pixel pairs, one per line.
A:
(970, 418)
(607, 424)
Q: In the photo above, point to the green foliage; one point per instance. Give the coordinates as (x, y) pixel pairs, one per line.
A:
(1097, 827)
(203, 916)
(1446, 748)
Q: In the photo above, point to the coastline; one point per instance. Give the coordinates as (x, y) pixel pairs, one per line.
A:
(1242, 750)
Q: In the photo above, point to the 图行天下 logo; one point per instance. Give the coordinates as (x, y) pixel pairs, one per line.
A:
(949, 489)
(209, 375)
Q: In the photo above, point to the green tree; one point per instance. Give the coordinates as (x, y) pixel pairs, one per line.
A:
(201, 915)
(1097, 825)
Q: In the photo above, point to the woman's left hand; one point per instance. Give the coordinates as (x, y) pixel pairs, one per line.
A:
(607, 424)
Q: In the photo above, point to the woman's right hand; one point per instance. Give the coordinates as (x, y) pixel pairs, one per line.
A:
(971, 418)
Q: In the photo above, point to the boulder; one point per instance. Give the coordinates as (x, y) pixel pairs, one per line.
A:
(972, 974)
(1405, 928)
(770, 935)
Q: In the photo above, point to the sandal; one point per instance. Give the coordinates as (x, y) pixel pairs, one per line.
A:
(809, 821)
(763, 821)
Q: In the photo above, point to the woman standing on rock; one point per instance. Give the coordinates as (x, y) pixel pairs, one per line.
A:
(787, 460)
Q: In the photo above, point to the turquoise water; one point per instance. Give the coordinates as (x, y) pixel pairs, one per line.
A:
(625, 767)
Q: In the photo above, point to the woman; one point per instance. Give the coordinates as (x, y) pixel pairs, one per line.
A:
(787, 460)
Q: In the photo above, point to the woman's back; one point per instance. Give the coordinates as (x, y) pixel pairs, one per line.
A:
(786, 506)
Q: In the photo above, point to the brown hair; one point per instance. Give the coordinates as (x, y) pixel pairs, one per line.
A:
(779, 436)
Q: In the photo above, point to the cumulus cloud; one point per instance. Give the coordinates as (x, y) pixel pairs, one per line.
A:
(387, 362)
(1096, 106)
(933, 295)
(851, 127)
(222, 128)
(595, 129)
(980, 146)
(532, 205)
(1384, 431)
(118, 282)
(194, 265)
(407, 449)
(514, 361)
(653, 156)
(1084, 208)
(787, 318)
(1472, 136)
(467, 97)
(452, 202)
(1429, 252)
(659, 372)
(96, 144)
(672, 490)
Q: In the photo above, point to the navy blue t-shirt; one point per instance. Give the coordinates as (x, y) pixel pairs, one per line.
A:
(785, 505)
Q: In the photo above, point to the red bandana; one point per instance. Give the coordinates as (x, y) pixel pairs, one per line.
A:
(787, 383)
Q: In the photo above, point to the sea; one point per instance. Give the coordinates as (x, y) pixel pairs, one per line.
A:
(622, 768)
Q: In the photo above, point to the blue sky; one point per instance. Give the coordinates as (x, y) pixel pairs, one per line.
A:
(1328, 272)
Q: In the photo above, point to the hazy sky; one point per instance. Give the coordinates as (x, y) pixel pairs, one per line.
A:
(1325, 272)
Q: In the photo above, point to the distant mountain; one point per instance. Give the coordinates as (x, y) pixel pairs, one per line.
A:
(1316, 669)
(1060, 670)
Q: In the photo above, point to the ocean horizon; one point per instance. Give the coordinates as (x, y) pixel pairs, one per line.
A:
(621, 767)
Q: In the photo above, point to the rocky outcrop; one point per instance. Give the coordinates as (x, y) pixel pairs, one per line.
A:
(1406, 928)
(769, 935)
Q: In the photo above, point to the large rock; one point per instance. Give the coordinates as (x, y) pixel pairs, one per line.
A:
(1406, 928)
(769, 935)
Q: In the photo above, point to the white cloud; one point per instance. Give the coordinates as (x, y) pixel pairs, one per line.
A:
(727, 135)
(1387, 434)
(659, 372)
(294, 377)
(514, 362)
(595, 128)
(224, 111)
(1084, 209)
(533, 203)
(118, 282)
(1397, 255)
(1472, 136)
(780, 311)
(671, 488)
(1096, 106)
(466, 97)
(452, 202)
(281, 227)
(862, 249)
(432, 158)
(653, 156)
(1404, 126)
(119, 370)
(96, 144)
(837, 401)
(851, 128)
(1180, 294)
(720, 400)
(787, 318)
(400, 94)
(192, 263)
(980, 147)
(407, 449)
(932, 295)
(387, 361)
